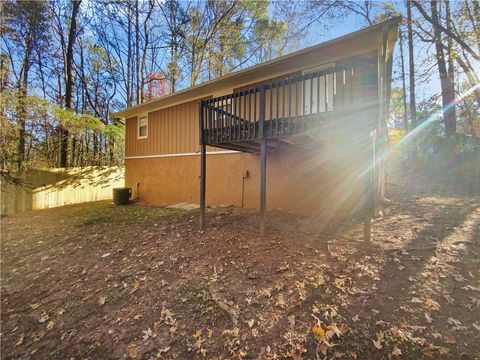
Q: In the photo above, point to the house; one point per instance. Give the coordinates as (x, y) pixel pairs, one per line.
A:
(303, 131)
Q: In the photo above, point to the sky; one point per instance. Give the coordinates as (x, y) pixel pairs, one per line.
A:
(350, 23)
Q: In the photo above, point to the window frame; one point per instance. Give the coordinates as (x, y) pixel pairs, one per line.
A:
(141, 117)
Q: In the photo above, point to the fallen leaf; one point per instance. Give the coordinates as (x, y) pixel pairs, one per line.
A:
(102, 299)
(34, 306)
(432, 304)
(318, 332)
(43, 318)
(449, 339)
(396, 351)
(50, 325)
(37, 336)
(167, 316)
(378, 343)
(428, 318)
(291, 320)
(453, 322)
(449, 299)
(133, 350)
(147, 334)
(20, 340)
(163, 350)
(475, 301)
(284, 267)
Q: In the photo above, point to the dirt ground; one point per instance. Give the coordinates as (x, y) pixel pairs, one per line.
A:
(95, 281)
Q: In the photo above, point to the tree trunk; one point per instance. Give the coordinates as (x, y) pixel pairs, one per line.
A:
(21, 107)
(129, 56)
(411, 66)
(137, 52)
(447, 85)
(404, 87)
(69, 74)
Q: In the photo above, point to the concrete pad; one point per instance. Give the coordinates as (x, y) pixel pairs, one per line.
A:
(184, 206)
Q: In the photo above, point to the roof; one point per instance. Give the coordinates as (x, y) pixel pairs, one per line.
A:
(364, 39)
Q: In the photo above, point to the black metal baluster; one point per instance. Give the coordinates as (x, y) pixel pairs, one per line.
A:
(271, 110)
(244, 115)
(209, 112)
(255, 113)
(277, 110)
(224, 118)
(284, 104)
(311, 103)
(250, 108)
(326, 93)
(290, 105)
(318, 94)
(235, 119)
(334, 90)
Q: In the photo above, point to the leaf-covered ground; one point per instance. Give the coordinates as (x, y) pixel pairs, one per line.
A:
(98, 281)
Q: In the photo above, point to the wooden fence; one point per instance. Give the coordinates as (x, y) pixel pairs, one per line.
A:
(43, 189)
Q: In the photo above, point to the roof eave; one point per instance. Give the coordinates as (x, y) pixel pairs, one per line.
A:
(128, 112)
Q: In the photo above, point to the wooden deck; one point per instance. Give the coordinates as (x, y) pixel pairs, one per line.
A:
(333, 103)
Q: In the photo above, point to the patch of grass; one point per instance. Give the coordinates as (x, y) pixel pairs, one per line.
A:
(193, 292)
(95, 220)
(107, 213)
(55, 352)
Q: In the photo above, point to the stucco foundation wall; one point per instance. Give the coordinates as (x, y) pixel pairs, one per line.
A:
(296, 179)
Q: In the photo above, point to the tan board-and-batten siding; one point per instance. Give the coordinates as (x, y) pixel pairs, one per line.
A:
(171, 131)
(164, 167)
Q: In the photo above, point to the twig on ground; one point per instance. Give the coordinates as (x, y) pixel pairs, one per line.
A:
(224, 306)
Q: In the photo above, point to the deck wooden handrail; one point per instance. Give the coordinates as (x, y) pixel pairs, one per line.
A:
(282, 107)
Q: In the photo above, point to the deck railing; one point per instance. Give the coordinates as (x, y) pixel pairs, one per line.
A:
(280, 107)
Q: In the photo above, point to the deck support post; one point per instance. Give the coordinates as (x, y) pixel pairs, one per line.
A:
(370, 189)
(203, 168)
(263, 163)
(263, 187)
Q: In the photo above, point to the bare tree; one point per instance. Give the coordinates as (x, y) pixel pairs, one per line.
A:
(26, 24)
(447, 83)
(69, 79)
(411, 66)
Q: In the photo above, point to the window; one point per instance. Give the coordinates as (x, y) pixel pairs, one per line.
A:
(142, 127)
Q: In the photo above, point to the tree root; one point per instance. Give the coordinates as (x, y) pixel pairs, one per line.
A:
(224, 306)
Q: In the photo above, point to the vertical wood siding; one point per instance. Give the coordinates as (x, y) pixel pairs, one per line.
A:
(173, 130)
